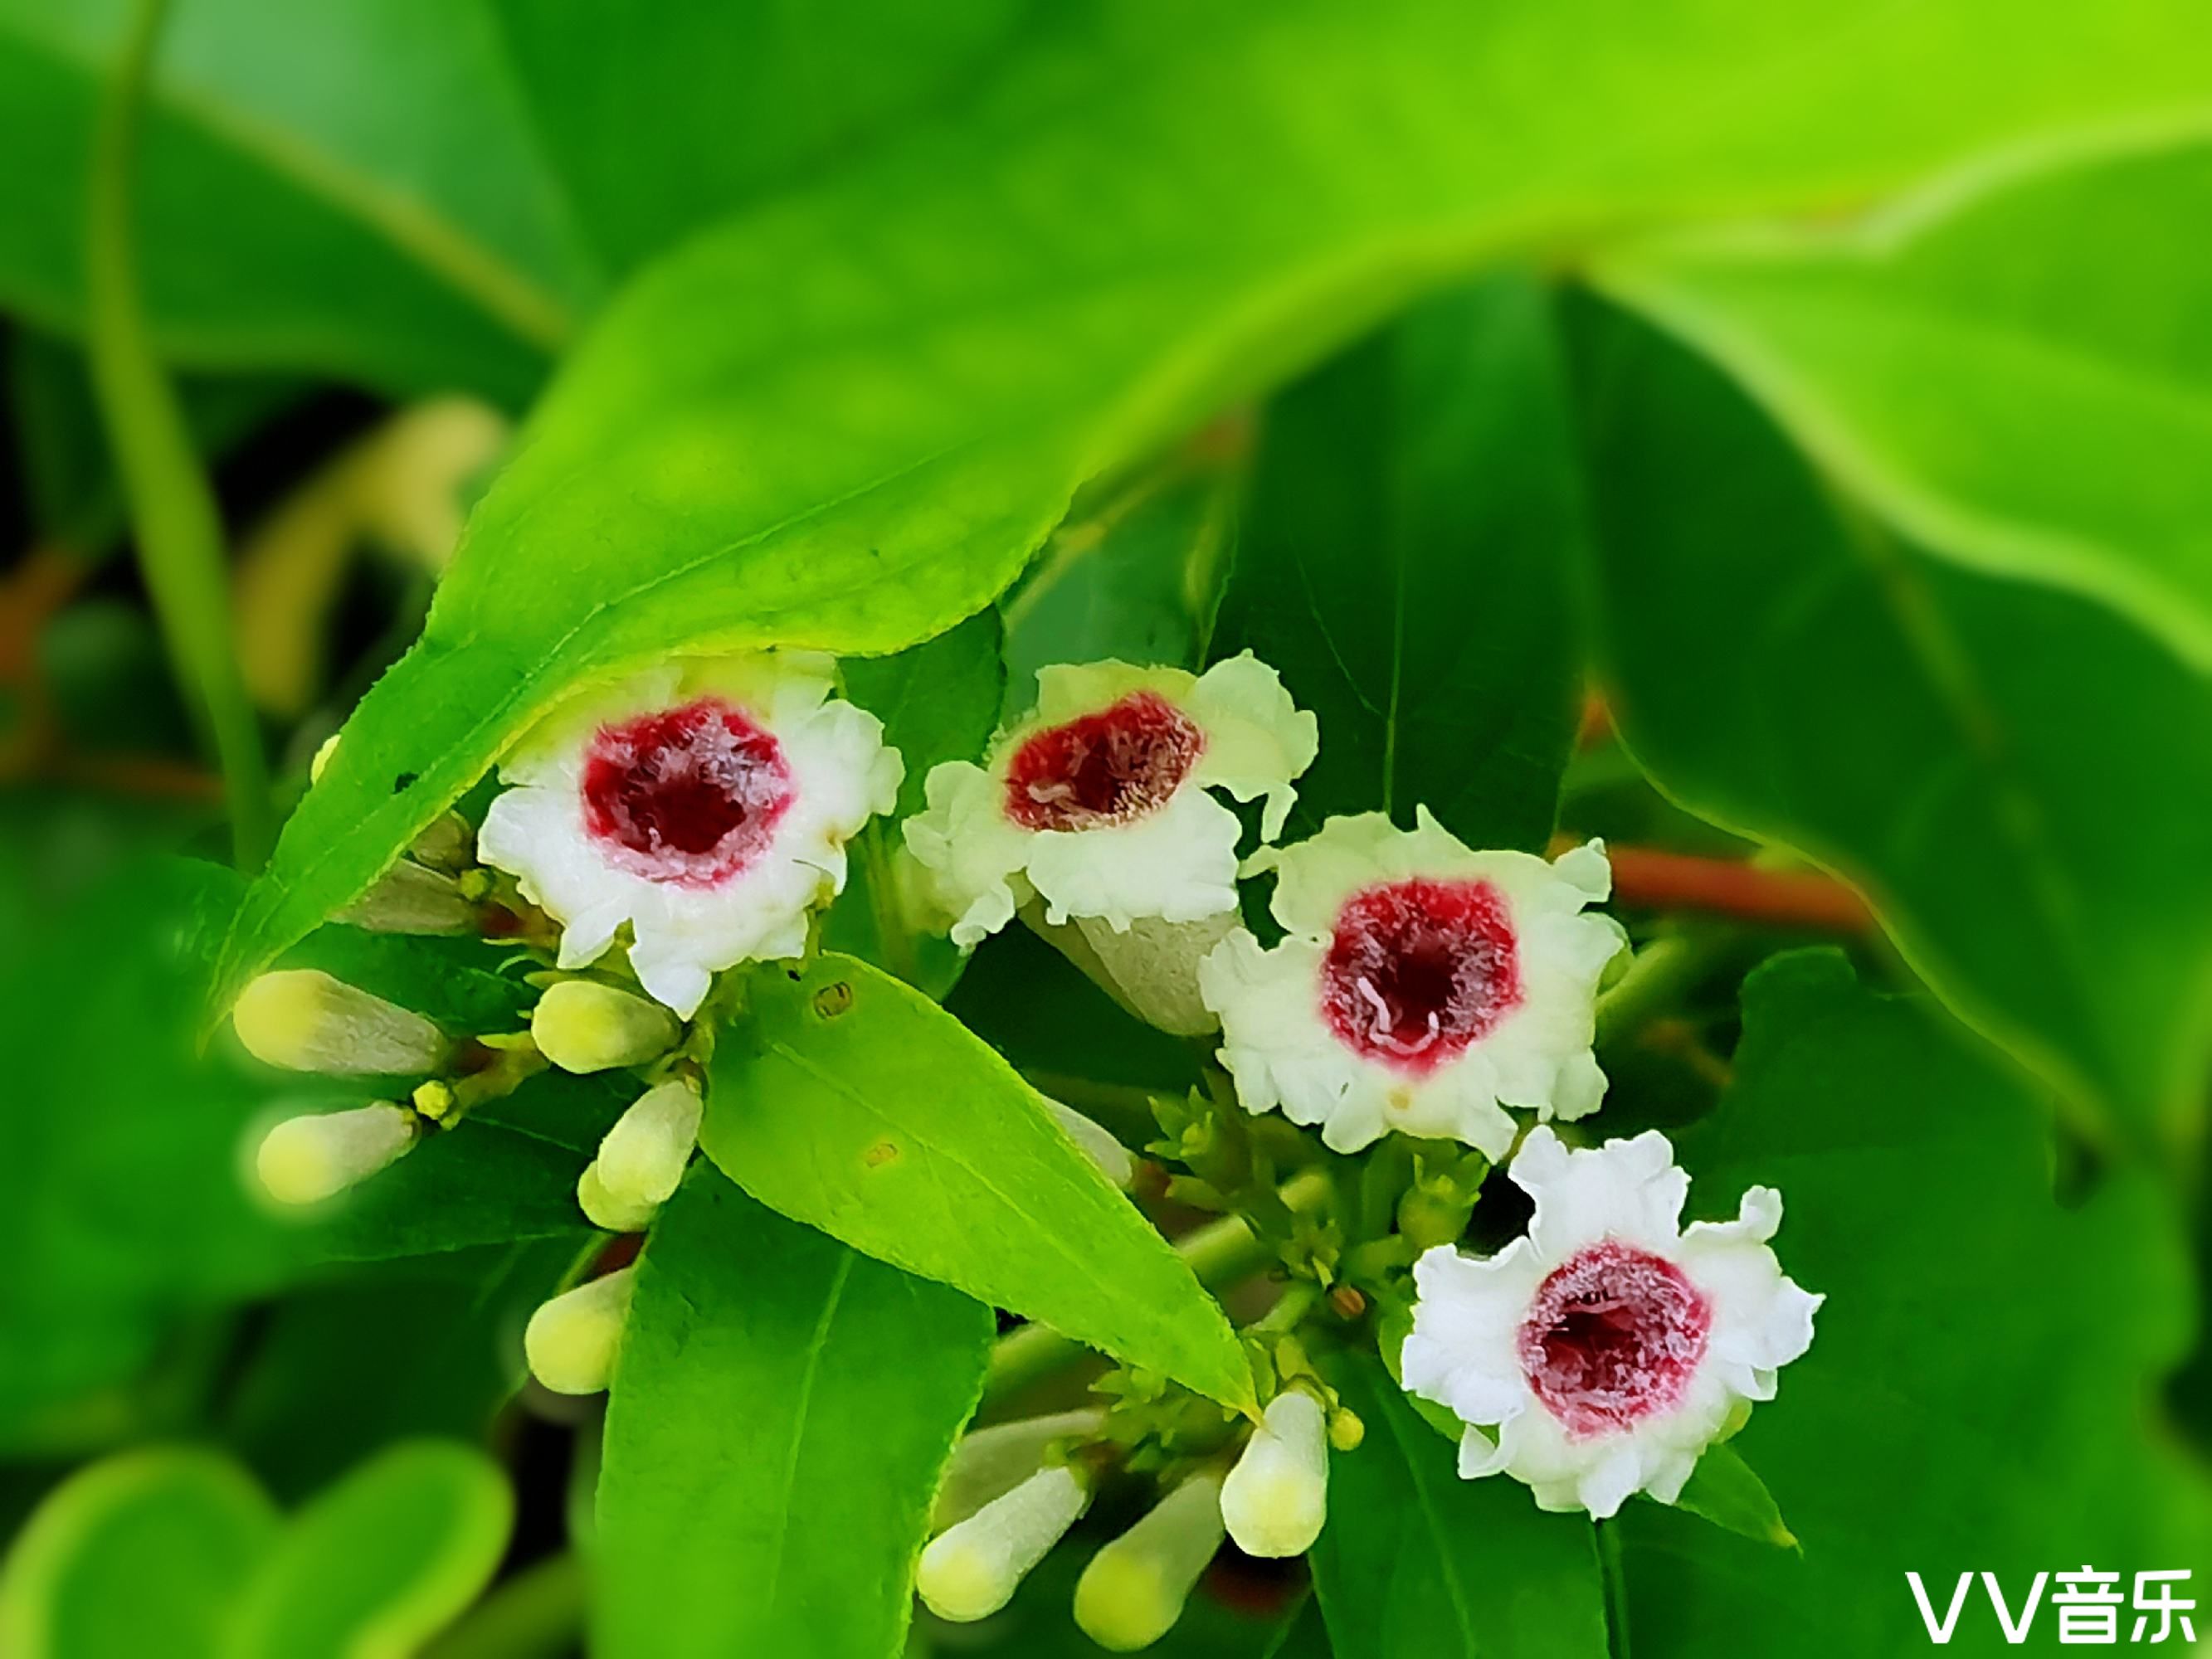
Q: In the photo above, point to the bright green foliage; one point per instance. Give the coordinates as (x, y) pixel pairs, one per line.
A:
(2017, 369)
(845, 420)
(2013, 775)
(783, 1408)
(349, 187)
(851, 1102)
(1416, 1564)
(1978, 1392)
(145, 1549)
(1405, 562)
(381, 1561)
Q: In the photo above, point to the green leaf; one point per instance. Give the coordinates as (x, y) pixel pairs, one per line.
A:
(347, 188)
(2013, 367)
(938, 701)
(850, 1101)
(382, 1561)
(1405, 562)
(844, 420)
(1137, 577)
(152, 1541)
(2013, 775)
(1416, 1564)
(783, 1411)
(1976, 1396)
(663, 117)
(1728, 1492)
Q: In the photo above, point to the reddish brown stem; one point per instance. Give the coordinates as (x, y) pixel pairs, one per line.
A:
(1648, 878)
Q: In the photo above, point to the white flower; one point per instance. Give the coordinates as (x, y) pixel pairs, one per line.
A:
(1422, 987)
(707, 804)
(1098, 804)
(1603, 1353)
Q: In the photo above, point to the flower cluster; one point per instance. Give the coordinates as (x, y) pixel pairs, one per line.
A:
(1428, 1007)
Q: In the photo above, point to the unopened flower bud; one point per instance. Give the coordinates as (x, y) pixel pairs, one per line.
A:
(642, 1157)
(570, 1341)
(583, 1026)
(991, 1462)
(1111, 1157)
(973, 1570)
(604, 1209)
(1133, 1591)
(1149, 966)
(1346, 1431)
(305, 1020)
(305, 1160)
(1275, 1499)
(448, 844)
(410, 899)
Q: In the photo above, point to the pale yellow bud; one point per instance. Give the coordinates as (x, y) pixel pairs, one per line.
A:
(991, 1462)
(410, 899)
(1276, 1499)
(604, 1209)
(583, 1026)
(570, 1341)
(972, 1569)
(642, 1157)
(305, 1160)
(1133, 1591)
(1111, 1157)
(305, 1020)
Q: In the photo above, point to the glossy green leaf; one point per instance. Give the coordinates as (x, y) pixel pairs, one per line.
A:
(1406, 562)
(350, 188)
(663, 117)
(1978, 1393)
(850, 1101)
(1138, 576)
(783, 1411)
(382, 1561)
(1416, 1564)
(2015, 367)
(938, 701)
(2013, 774)
(149, 1547)
(844, 420)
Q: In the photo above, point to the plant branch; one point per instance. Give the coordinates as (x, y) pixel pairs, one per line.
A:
(1651, 878)
(1220, 1253)
(175, 519)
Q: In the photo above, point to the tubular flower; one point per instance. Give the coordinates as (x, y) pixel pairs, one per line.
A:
(1600, 1355)
(1094, 815)
(1421, 988)
(707, 805)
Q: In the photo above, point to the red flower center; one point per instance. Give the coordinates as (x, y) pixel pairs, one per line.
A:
(688, 795)
(1418, 969)
(1613, 1337)
(1112, 767)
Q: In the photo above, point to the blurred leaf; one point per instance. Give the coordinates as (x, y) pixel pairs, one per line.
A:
(1416, 1564)
(1978, 1393)
(938, 701)
(419, 1347)
(381, 1561)
(1406, 560)
(850, 1101)
(1728, 1492)
(667, 116)
(144, 1552)
(2014, 776)
(349, 188)
(783, 1411)
(1138, 578)
(1241, 1609)
(2017, 370)
(845, 420)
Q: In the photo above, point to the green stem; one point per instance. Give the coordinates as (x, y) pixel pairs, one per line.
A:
(537, 1614)
(1663, 972)
(174, 515)
(1221, 1252)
